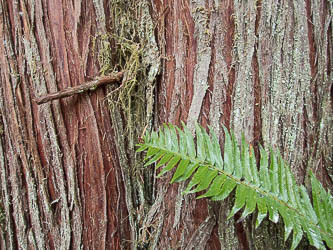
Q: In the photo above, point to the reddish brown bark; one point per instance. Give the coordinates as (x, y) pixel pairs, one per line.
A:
(69, 173)
(58, 164)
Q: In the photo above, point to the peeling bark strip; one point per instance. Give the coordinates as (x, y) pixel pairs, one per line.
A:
(201, 17)
(92, 85)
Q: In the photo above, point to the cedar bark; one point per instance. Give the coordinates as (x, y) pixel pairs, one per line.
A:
(69, 174)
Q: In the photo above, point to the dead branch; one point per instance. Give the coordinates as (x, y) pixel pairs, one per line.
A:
(91, 85)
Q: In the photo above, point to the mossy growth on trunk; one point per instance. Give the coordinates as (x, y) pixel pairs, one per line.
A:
(129, 46)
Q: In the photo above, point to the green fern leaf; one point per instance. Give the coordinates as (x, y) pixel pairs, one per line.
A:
(164, 159)
(323, 207)
(288, 221)
(271, 190)
(282, 178)
(216, 150)
(171, 164)
(190, 169)
(297, 235)
(246, 161)
(215, 187)
(190, 142)
(262, 211)
(274, 177)
(240, 199)
(167, 138)
(201, 148)
(182, 142)
(263, 175)
(251, 201)
(253, 167)
(205, 182)
(273, 213)
(228, 152)
(197, 178)
(155, 158)
(291, 184)
(238, 171)
(209, 148)
(180, 170)
(151, 152)
(142, 148)
(226, 189)
(174, 138)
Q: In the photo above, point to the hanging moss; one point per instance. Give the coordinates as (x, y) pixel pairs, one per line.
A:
(130, 47)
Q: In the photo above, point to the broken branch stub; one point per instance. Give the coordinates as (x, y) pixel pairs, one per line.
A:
(91, 85)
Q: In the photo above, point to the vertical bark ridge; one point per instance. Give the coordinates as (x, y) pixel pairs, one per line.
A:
(200, 22)
(180, 80)
(181, 105)
(44, 32)
(242, 116)
(48, 132)
(222, 26)
(288, 88)
(286, 76)
(179, 42)
(321, 68)
(18, 156)
(223, 81)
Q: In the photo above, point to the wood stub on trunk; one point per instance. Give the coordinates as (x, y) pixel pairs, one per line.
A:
(91, 85)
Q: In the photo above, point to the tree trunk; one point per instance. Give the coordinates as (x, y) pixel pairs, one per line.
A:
(70, 177)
